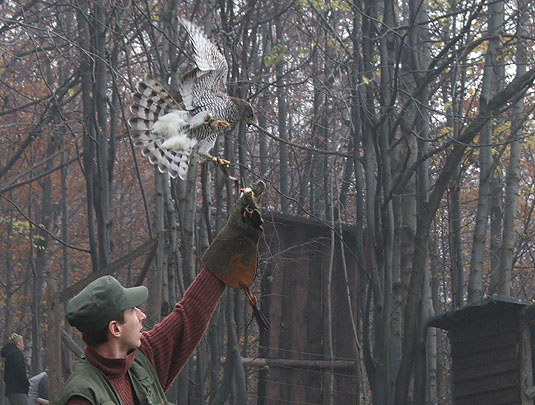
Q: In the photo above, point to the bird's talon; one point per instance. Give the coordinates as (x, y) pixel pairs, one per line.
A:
(223, 163)
(221, 123)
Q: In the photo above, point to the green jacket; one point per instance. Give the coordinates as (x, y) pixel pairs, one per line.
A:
(90, 383)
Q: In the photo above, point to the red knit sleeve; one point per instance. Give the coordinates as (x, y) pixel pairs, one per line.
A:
(171, 342)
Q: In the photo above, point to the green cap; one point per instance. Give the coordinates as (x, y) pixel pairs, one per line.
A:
(101, 301)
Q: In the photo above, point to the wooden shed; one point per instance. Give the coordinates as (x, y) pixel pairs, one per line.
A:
(490, 352)
(294, 264)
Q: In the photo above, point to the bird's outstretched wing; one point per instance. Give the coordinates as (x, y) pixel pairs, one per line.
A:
(210, 75)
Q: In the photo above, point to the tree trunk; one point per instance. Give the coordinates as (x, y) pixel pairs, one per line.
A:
(456, 251)
(328, 353)
(512, 180)
(488, 87)
(43, 215)
(156, 274)
(232, 370)
(496, 225)
(7, 327)
(98, 145)
(458, 88)
(89, 130)
(282, 120)
(55, 381)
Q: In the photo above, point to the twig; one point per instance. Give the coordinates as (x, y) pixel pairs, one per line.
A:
(42, 228)
(323, 151)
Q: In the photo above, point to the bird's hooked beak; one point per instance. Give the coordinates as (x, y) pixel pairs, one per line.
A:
(251, 119)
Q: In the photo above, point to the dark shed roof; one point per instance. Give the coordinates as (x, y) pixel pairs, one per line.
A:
(492, 305)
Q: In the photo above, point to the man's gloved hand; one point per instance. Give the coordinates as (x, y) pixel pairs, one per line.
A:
(233, 255)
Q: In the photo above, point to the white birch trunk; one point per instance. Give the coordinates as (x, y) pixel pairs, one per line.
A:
(488, 87)
(327, 315)
(513, 171)
(154, 302)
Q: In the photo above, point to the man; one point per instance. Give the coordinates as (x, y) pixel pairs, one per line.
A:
(125, 365)
(15, 376)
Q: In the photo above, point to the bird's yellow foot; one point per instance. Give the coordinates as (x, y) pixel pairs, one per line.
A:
(209, 119)
(223, 163)
(221, 123)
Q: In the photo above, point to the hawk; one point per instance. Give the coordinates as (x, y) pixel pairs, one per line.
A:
(168, 132)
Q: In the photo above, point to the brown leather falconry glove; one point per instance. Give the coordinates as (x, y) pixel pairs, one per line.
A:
(233, 255)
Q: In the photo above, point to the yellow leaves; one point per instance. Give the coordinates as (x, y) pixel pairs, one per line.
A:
(22, 228)
(529, 142)
(18, 226)
(250, 339)
(274, 55)
(498, 172)
(365, 80)
(334, 44)
(322, 5)
(503, 128)
(481, 48)
(446, 131)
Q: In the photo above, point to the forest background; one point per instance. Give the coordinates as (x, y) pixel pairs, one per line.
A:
(410, 121)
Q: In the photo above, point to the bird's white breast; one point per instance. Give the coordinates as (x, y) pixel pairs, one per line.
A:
(172, 127)
(171, 124)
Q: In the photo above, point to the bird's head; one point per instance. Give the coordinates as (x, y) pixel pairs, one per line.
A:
(245, 110)
(249, 114)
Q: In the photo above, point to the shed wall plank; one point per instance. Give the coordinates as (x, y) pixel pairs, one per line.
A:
(507, 396)
(477, 359)
(488, 343)
(492, 383)
(486, 370)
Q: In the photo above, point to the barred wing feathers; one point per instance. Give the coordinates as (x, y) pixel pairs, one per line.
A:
(210, 75)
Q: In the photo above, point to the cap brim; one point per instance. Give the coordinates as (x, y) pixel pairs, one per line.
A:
(134, 296)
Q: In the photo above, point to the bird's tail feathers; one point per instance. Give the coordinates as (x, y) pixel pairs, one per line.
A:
(151, 101)
(155, 95)
(173, 162)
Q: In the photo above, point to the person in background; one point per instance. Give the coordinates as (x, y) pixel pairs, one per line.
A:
(38, 388)
(15, 376)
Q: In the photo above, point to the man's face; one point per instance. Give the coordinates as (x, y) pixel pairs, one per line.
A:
(20, 345)
(131, 328)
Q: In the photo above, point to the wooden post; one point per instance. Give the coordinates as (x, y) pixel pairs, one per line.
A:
(54, 339)
(527, 391)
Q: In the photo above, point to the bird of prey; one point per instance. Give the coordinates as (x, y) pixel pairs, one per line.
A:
(167, 131)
